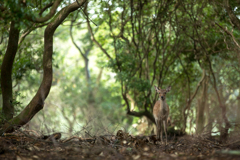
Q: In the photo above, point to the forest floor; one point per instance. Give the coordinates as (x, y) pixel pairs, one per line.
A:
(25, 145)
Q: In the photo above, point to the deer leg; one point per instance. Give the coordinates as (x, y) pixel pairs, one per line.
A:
(160, 129)
(165, 128)
(157, 129)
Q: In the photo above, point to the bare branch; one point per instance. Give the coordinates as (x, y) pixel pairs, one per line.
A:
(96, 42)
(229, 33)
(78, 48)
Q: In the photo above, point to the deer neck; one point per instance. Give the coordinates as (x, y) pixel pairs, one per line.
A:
(163, 104)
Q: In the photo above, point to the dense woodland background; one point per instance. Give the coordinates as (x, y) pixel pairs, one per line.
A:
(89, 67)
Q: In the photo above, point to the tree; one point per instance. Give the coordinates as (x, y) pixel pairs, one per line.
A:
(137, 57)
(191, 46)
(37, 102)
(167, 43)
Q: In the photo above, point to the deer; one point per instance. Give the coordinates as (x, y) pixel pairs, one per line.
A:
(161, 112)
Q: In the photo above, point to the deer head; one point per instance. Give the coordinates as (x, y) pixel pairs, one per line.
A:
(162, 92)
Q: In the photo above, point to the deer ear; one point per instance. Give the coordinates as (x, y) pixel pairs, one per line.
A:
(156, 88)
(168, 89)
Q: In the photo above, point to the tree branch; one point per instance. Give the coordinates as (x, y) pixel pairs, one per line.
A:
(229, 33)
(231, 15)
(75, 44)
(96, 42)
(48, 16)
(84, 55)
(28, 31)
(141, 114)
(45, 8)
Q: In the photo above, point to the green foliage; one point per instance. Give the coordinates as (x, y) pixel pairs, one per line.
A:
(17, 102)
(151, 43)
(178, 60)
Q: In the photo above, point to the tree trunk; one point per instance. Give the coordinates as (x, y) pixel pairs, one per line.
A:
(235, 20)
(201, 107)
(237, 127)
(209, 120)
(189, 101)
(37, 102)
(6, 72)
(224, 123)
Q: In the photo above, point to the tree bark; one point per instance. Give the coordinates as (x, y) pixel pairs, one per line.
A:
(6, 72)
(37, 102)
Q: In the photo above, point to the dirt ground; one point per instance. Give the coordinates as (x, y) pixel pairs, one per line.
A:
(25, 145)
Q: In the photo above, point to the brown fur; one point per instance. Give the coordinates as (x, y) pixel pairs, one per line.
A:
(161, 112)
